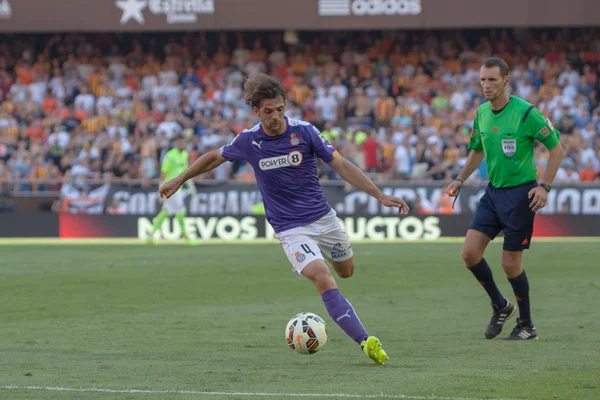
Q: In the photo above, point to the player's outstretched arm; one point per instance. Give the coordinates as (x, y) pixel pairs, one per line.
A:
(205, 163)
(354, 176)
(473, 161)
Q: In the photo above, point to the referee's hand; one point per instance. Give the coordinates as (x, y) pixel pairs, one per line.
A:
(454, 188)
(539, 198)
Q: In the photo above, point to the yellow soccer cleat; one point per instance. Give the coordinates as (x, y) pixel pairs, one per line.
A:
(372, 348)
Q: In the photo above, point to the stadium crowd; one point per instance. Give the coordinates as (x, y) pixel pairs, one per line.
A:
(398, 104)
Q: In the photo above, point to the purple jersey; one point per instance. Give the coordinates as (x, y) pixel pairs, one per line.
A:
(285, 167)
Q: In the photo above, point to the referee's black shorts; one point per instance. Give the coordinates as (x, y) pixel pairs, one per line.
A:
(506, 209)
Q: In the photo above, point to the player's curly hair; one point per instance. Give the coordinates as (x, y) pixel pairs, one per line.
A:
(259, 87)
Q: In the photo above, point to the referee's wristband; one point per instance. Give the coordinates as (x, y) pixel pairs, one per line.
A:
(460, 180)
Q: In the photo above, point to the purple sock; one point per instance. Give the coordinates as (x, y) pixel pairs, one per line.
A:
(343, 314)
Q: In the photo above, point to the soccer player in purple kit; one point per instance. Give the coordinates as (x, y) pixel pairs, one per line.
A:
(283, 153)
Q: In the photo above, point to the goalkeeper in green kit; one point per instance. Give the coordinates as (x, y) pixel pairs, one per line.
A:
(504, 132)
(174, 163)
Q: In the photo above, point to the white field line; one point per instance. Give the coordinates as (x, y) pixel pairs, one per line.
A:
(247, 394)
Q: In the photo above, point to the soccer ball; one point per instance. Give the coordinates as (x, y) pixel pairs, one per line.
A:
(306, 333)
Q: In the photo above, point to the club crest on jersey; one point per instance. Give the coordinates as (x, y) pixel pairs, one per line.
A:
(300, 257)
(509, 147)
(294, 140)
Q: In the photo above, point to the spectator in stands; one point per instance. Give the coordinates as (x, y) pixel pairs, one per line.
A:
(372, 152)
(566, 172)
(588, 173)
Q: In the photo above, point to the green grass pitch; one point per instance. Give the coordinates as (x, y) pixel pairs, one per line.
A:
(207, 322)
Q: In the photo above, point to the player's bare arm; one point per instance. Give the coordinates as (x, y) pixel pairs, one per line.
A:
(539, 195)
(207, 162)
(354, 176)
(473, 162)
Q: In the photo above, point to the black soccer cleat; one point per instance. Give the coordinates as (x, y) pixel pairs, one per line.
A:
(499, 318)
(522, 332)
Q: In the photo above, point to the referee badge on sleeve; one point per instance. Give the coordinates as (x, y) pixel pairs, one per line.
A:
(509, 147)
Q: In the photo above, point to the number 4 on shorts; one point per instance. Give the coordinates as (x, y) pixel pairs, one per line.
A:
(307, 249)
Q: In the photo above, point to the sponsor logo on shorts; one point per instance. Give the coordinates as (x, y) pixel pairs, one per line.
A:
(300, 257)
(338, 251)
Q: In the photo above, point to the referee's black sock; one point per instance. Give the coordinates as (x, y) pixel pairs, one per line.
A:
(484, 275)
(520, 285)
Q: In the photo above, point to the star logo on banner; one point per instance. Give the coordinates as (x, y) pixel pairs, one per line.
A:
(132, 9)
